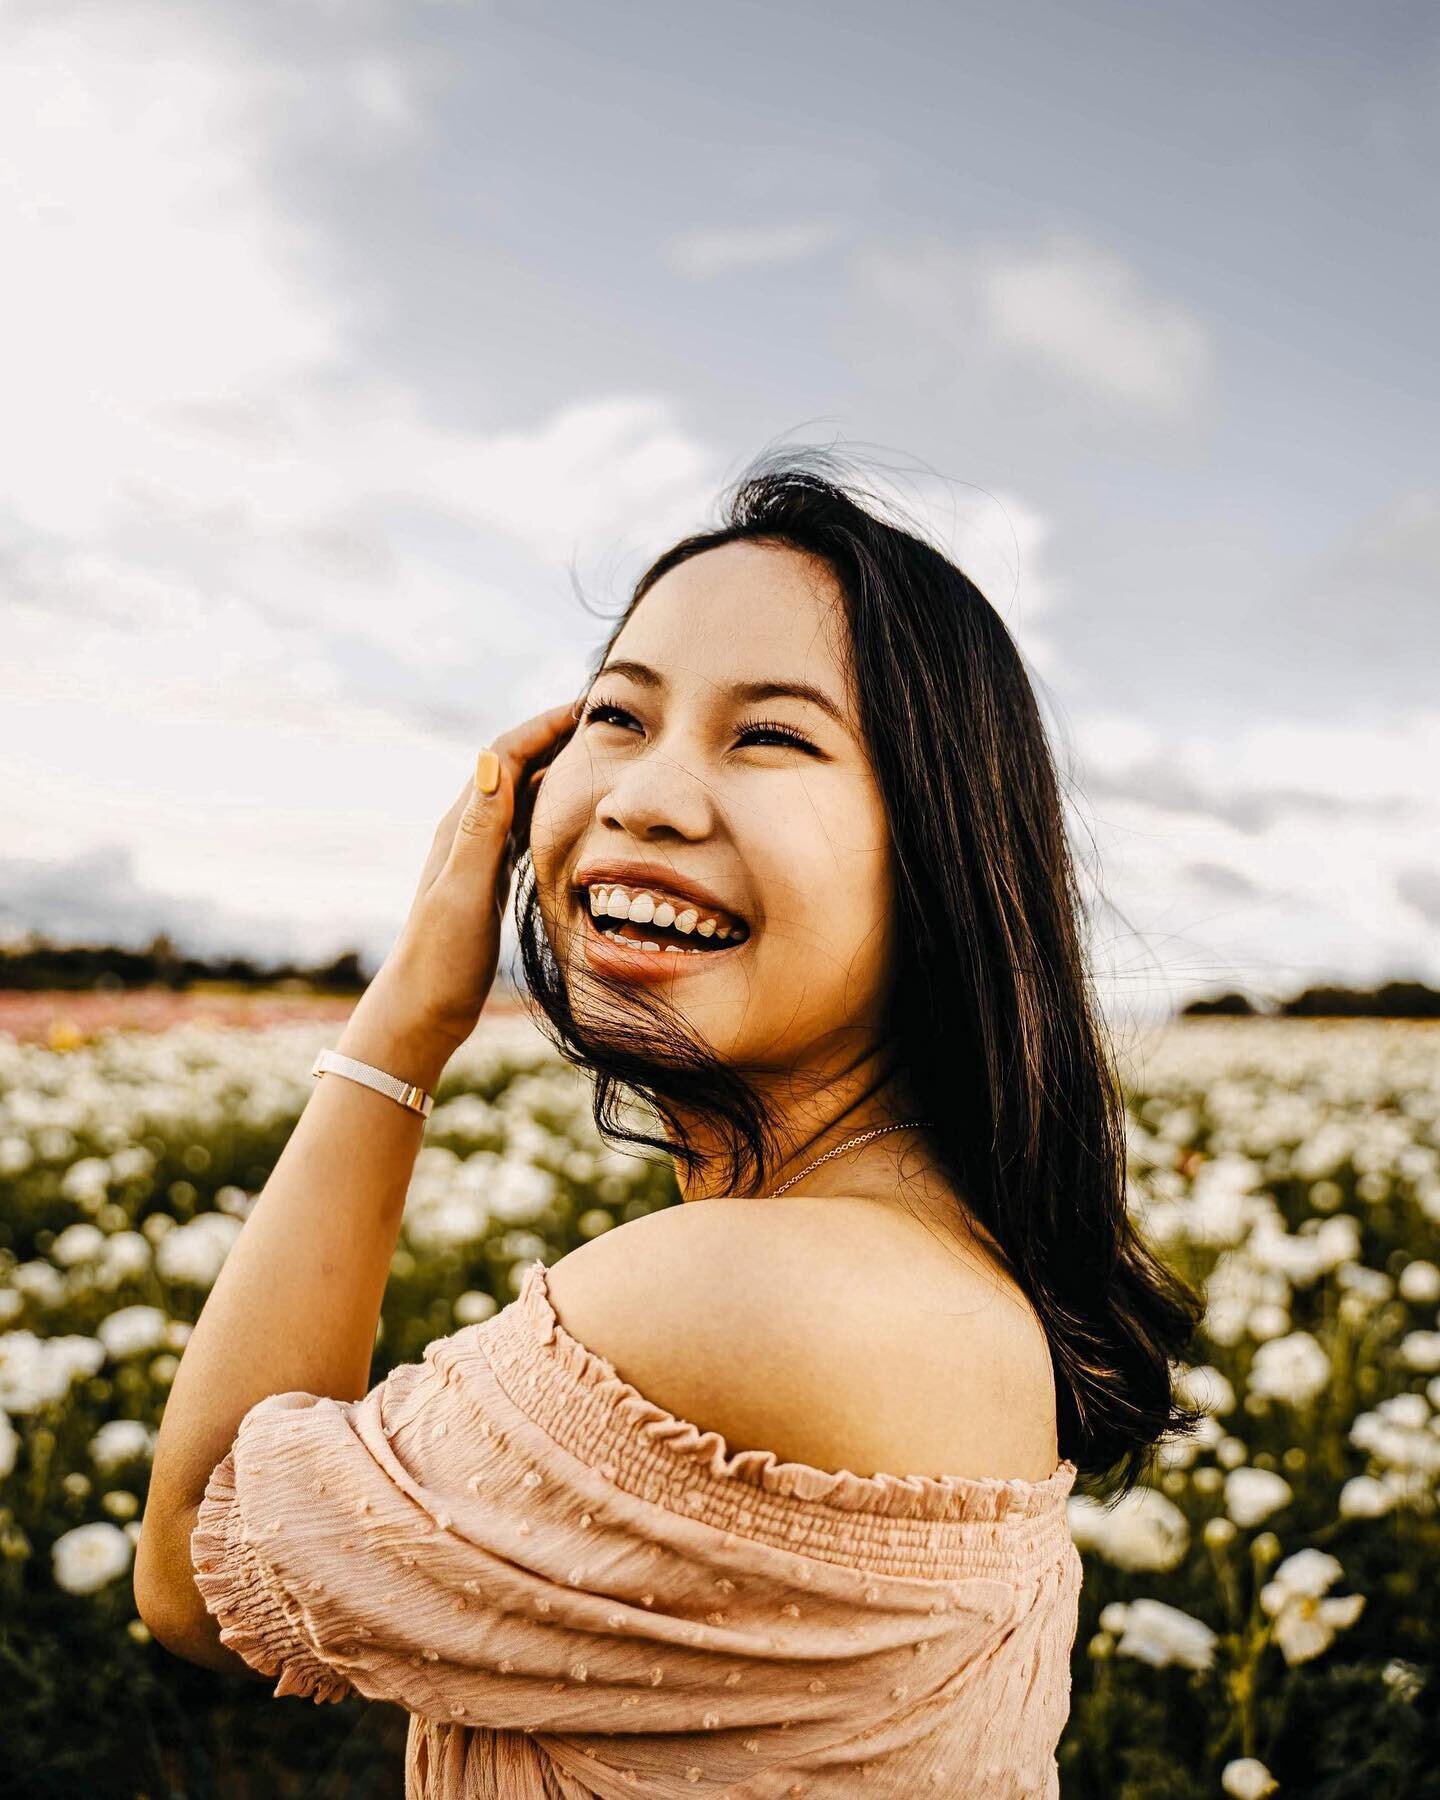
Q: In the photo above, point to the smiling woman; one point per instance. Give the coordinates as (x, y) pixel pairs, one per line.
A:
(766, 1492)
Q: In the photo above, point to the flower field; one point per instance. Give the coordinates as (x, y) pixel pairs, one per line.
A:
(1261, 1618)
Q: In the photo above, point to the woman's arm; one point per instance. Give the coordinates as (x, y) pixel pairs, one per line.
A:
(298, 1299)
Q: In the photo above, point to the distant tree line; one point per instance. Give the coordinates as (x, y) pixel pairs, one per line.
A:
(1391, 1000)
(37, 964)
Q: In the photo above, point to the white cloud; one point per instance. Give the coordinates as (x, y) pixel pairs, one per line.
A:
(708, 252)
(257, 606)
(1060, 305)
(1269, 858)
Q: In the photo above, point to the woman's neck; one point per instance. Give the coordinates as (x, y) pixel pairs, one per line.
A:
(861, 1097)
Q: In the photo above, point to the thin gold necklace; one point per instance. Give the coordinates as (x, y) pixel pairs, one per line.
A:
(860, 1137)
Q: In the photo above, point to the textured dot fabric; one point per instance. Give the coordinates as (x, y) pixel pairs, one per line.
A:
(577, 1595)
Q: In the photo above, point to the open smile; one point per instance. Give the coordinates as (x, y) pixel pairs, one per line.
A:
(655, 946)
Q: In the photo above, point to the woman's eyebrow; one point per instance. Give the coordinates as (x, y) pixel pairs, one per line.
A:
(742, 690)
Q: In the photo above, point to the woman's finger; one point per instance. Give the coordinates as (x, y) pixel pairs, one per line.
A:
(485, 823)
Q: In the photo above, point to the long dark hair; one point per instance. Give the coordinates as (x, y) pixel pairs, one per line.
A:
(992, 1021)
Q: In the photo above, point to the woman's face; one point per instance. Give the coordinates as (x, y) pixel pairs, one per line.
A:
(690, 793)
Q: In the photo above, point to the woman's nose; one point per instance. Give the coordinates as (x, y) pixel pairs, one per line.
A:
(654, 794)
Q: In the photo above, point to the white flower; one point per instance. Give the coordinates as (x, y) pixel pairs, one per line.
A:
(1411, 1411)
(90, 1556)
(77, 1244)
(1267, 1321)
(11, 1305)
(1205, 1386)
(1363, 1497)
(86, 1180)
(1421, 1350)
(1247, 1778)
(40, 1281)
(1253, 1494)
(1143, 1530)
(9, 1445)
(36, 1371)
(125, 1253)
(1293, 1368)
(120, 1440)
(1403, 1678)
(1159, 1634)
(473, 1306)
(196, 1252)
(1420, 1283)
(1308, 1573)
(1305, 1624)
(519, 1192)
(132, 1330)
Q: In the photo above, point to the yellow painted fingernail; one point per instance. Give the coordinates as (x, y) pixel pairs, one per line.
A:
(487, 772)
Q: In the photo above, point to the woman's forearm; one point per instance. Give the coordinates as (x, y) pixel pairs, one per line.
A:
(298, 1299)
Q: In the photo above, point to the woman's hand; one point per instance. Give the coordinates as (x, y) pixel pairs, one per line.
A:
(440, 970)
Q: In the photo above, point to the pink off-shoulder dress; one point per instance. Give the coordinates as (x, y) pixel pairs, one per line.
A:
(575, 1594)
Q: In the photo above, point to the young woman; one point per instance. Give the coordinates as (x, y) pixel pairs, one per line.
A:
(765, 1493)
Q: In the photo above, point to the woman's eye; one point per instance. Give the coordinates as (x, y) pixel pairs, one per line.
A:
(601, 712)
(778, 733)
(765, 731)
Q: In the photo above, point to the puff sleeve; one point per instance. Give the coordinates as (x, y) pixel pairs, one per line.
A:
(506, 1535)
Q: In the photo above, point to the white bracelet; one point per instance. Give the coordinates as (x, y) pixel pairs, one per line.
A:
(332, 1062)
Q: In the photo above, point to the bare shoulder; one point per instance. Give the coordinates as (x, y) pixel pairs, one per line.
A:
(821, 1330)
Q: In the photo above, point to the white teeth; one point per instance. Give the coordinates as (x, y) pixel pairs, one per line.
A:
(643, 908)
(649, 944)
(673, 949)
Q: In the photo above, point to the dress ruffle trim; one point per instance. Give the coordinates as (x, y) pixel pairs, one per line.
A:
(980, 1497)
(232, 1584)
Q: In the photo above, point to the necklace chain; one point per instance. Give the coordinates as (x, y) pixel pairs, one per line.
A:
(860, 1137)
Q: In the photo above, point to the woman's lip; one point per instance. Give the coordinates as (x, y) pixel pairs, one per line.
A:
(622, 958)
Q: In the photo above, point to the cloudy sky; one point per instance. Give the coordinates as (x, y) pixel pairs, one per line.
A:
(339, 340)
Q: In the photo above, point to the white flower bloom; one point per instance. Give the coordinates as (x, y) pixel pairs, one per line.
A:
(1251, 1495)
(1247, 1778)
(11, 1305)
(195, 1253)
(1267, 1321)
(35, 1371)
(1306, 1624)
(519, 1192)
(473, 1306)
(1412, 1411)
(125, 1253)
(9, 1446)
(1363, 1497)
(1307, 1572)
(39, 1281)
(121, 1440)
(131, 1330)
(1420, 1283)
(77, 1244)
(1142, 1530)
(1293, 1368)
(1205, 1386)
(1159, 1634)
(1403, 1678)
(1304, 1629)
(1421, 1350)
(90, 1556)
